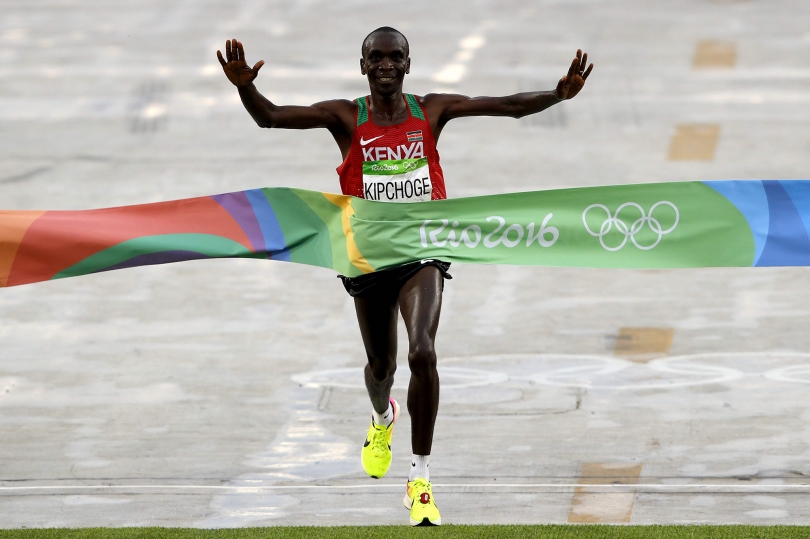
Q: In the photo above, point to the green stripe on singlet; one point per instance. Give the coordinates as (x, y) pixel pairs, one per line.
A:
(362, 110)
(413, 104)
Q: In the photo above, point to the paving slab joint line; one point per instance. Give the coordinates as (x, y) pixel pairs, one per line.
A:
(652, 487)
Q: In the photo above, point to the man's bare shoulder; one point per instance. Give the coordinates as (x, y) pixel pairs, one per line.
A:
(438, 104)
(441, 99)
(336, 105)
(342, 109)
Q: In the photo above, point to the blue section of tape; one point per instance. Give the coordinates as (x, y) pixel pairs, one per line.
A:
(274, 240)
(799, 193)
(749, 197)
(788, 243)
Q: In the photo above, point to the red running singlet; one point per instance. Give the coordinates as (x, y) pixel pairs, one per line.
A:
(396, 163)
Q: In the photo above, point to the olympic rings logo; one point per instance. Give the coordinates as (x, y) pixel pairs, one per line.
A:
(630, 231)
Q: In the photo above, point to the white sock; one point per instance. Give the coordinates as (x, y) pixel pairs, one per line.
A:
(420, 467)
(385, 418)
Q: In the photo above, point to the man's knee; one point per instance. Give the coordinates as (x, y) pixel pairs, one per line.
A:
(422, 356)
(382, 368)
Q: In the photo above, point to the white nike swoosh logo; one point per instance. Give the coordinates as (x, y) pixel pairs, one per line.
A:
(425, 261)
(363, 142)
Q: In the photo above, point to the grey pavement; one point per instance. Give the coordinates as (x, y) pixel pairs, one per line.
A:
(229, 393)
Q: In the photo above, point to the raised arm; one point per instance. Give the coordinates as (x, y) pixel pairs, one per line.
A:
(444, 107)
(337, 115)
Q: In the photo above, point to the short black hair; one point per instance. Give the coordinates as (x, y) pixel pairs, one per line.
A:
(381, 30)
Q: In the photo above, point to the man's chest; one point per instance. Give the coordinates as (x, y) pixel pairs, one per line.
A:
(394, 165)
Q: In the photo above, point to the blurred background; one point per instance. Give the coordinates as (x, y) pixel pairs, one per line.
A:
(210, 393)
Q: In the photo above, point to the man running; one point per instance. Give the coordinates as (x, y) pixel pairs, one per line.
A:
(388, 142)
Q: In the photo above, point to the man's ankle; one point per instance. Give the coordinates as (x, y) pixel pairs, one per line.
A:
(383, 419)
(420, 467)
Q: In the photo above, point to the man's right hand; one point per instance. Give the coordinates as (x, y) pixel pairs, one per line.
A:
(236, 68)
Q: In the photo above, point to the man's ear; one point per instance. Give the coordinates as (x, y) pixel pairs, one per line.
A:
(362, 66)
(408, 65)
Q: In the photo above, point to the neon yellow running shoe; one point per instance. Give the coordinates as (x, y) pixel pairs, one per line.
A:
(376, 455)
(419, 499)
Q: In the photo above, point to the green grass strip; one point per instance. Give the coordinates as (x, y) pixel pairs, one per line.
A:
(446, 531)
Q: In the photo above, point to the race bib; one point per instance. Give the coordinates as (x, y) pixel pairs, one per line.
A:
(406, 180)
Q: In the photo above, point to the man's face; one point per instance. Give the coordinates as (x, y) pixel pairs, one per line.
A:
(385, 62)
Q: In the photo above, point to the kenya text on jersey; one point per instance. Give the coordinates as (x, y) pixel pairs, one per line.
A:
(414, 150)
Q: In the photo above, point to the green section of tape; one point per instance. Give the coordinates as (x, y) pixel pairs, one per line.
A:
(709, 231)
(305, 233)
(331, 216)
(205, 244)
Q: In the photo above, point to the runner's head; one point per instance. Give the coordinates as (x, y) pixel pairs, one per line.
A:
(385, 60)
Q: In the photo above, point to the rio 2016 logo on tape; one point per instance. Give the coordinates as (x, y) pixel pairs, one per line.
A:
(630, 231)
(471, 235)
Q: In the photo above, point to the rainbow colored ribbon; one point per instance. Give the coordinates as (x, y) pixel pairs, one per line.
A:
(661, 225)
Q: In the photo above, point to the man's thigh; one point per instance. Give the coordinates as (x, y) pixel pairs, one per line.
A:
(420, 301)
(377, 317)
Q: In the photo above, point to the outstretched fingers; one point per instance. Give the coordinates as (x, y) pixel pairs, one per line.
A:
(234, 51)
(235, 48)
(241, 50)
(257, 67)
(587, 72)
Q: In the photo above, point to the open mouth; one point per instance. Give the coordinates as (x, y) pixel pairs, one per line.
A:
(385, 79)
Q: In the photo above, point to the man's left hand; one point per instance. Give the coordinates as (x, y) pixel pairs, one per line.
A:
(572, 83)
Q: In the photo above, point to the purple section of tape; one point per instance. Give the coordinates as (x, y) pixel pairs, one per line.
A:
(238, 205)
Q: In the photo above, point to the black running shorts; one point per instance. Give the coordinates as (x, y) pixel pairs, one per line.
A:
(389, 280)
